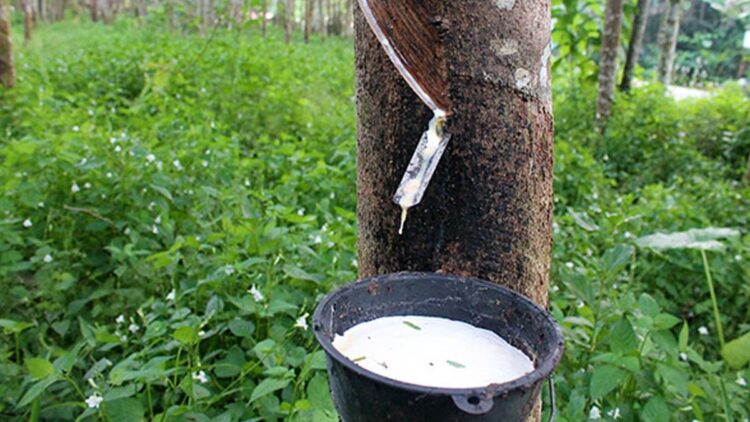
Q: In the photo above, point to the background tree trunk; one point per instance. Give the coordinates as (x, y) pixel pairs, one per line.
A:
(488, 210)
(608, 61)
(670, 27)
(264, 19)
(7, 69)
(308, 19)
(28, 19)
(289, 21)
(170, 15)
(94, 11)
(634, 47)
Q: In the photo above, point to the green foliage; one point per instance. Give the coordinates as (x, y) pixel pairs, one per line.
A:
(174, 207)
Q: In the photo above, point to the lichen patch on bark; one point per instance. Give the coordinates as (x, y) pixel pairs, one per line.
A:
(505, 4)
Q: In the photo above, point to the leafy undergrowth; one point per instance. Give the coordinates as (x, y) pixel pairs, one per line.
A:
(174, 206)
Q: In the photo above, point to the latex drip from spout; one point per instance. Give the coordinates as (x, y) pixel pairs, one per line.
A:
(422, 166)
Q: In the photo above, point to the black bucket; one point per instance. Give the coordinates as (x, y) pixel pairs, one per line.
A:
(363, 396)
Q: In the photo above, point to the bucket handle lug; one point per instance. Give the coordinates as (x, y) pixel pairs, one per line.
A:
(473, 404)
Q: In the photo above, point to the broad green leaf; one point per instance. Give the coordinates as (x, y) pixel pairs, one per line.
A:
(39, 368)
(665, 321)
(682, 340)
(124, 410)
(584, 221)
(737, 352)
(605, 379)
(241, 328)
(36, 390)
(268, 386)
(14, 327)
(655, 410)
(648, 305)
(622, 337)
(615, 259)
(186, 335)
(295, 272)
(318, 392)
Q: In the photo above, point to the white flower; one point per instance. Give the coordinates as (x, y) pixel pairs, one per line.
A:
(154, 230)
(40, 205)
(200, 376)
(205, 163)
(113, 140)
(47, 258)
(118, 148)
(201, 334)
(595, 413)
(133, 328)
(247, 182)
(569, 264)
(150, 158)
(109, 175)
(555, 288)
(228, 270)
(123, 338)
(126, 231)
(301, 211)
(120, 319)
(76, 128)
(83, 161)
(683, 356)
(355, 263)
(257, 295)
(171, 296)
(177, 164)
(581, 304)
(703, 331)
(27, 223)
(74, 188)
(301, 322)
(87, 185)
(737, 258)
(318, 240)
(157, 220)
(742, 382)
(94, 400)
(91, 112)
(627, 235)
(614, 413)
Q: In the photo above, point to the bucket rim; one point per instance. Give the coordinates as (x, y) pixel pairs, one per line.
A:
(540, 373)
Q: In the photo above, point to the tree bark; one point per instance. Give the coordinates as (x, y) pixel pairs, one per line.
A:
(94, 11)
(308, 19)
(669, 28)
(7, 68)
(28, 19)
(264, 19)
(640, 20)
(289, 21)
(488, 210)
(608, 61)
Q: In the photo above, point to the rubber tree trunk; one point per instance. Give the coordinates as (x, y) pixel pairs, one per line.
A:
(7, 68)
(289, 21)
(94, 11)
(263, 17)
(640, 20)
(28, 19)
(608, 61)
(488, 209)
(309, 5)
(670, 27)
